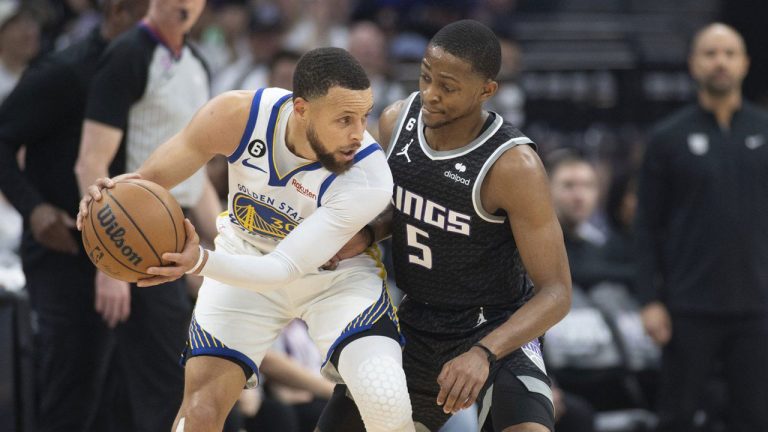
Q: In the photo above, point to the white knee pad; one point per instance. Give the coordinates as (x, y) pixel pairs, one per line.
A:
(372, 370)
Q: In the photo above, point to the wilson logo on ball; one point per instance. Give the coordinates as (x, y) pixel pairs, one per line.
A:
(96, 254)
(116, 232)
(131, 227)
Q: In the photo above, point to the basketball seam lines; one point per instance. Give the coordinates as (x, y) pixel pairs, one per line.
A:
(106, 249)
(175, 233)
(160, 260)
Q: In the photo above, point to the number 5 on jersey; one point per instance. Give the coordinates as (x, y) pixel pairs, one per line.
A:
(423, 259)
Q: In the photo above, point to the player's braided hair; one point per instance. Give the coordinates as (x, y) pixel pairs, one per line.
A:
(322, 68)
(472, 42)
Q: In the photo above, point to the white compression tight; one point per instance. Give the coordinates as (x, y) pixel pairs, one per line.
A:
(372, 369)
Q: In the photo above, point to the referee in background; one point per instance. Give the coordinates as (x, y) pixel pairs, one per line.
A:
(702, 230)
(149, 84)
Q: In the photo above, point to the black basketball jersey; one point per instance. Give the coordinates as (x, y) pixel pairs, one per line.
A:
(449, 251)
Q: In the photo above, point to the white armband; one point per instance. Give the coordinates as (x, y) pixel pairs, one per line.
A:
(196, 268)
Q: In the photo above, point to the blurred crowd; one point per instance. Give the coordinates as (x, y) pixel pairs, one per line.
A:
(605, 364)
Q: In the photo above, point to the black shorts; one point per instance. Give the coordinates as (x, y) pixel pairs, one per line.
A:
(517, 391)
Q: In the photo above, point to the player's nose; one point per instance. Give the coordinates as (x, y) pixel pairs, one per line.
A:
(429, 95)
(356, 136)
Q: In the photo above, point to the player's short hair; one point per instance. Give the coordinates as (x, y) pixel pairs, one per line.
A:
(472, 42)
(322, 68)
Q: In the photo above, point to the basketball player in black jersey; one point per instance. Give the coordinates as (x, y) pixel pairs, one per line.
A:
(476, 244)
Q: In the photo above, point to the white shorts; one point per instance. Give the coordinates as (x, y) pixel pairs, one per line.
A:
(236, 323)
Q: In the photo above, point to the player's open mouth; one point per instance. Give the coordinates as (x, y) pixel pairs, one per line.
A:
(348, 154)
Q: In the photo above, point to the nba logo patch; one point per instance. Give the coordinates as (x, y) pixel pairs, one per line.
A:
(698, 143)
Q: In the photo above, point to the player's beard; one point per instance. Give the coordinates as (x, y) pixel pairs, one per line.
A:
(327, 159)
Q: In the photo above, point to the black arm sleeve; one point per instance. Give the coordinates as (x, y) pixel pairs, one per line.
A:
(121, 79)
(30, 115)
(650, 221)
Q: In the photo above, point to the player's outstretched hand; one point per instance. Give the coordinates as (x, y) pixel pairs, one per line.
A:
(180, 263)
(94, 193)
(461, 380)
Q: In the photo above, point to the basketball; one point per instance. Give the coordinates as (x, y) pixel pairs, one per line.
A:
(130, 229)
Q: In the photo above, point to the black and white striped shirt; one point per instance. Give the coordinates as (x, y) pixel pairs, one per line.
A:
(143, 88)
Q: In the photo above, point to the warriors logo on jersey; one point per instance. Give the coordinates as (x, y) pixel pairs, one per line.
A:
(260, 218)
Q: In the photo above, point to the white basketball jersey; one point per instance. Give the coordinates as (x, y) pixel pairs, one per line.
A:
(271, 190)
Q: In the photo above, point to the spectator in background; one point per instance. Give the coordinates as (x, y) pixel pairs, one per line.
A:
(574, 187)
(45, 114)
(320, 24)
(621, 206)
(702, 229)
(224, 41)
(86, 18)
(510, 101)
(369, 46)
(576, 194)
(149, 84)
(251, 70)
(281, 68)
(19, 43)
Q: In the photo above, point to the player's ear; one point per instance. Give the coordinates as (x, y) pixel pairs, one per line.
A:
(489, 89)
(301, 107)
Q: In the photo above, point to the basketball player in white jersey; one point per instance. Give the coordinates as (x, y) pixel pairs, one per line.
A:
(304, 177)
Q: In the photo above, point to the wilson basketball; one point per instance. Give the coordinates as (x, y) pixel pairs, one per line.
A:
(131, 227)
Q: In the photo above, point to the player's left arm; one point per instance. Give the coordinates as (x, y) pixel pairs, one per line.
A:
(517, 183)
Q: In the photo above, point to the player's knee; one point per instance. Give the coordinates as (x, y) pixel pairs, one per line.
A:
(380, 391)
(200, 415)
